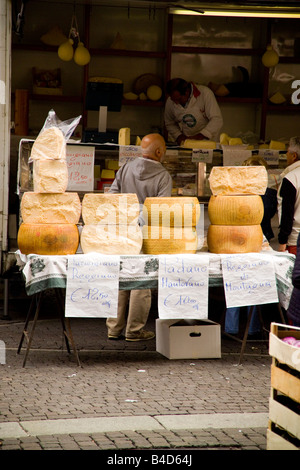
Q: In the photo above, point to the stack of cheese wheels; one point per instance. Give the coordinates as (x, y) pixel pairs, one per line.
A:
(49, 214)
(235, 209)
(170, 225)
(111, 224)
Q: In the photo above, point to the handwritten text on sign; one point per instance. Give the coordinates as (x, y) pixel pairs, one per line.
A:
(80, 161)
(183, 286)
(92, 285)
(249, 279)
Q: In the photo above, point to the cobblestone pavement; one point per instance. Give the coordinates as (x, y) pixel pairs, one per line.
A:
(120, 379)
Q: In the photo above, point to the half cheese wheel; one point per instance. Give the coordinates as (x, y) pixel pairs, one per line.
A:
(231, 239)
(111, 239)
(48, 239)
(169, 240)
(237, 180)
(41, 208)
(171, 211)
(50, 144)
(235, 210)
(50, 176)
(109, 208)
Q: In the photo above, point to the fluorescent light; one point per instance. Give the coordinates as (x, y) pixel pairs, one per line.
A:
(237, 13)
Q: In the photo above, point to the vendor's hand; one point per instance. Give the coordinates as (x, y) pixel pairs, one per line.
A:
(199, 136)
(282, 247)
(181, 138)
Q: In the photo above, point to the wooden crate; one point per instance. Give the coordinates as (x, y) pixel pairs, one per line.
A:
(284, 406)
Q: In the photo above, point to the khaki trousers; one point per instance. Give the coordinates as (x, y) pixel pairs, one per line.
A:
(139, 306)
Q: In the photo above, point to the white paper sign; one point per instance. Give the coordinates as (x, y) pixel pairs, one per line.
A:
(235, 155)
(249, 279)
(270, 156)
(129, 152)
(92, 285)
(183, 286)
(202, 155)
(80, 161)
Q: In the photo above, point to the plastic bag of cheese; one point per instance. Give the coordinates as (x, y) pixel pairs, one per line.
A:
(51, 142)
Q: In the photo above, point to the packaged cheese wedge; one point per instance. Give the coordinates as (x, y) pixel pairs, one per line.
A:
(50, 176)
(109, 208)
(171, 211)
(235, 180)
(40, 208)
(111, 239)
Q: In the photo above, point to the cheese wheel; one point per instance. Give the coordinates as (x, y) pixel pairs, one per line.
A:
(199, 144)
(231, 239)
(235, 210)
(109, 208)
(39, 208)
(48, 239)
(171, 211)
(111, 239)
(235, 180)
(124, 136)
(169, 240)
(50, 176)
(50, 144)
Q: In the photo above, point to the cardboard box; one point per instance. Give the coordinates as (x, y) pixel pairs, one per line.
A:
(188, 339)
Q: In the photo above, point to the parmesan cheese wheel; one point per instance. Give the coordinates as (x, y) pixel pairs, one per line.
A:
(171, 211)
(50, 176)
(199, 144)
(48, 239)
(169, 240)
(39, 208)
(235, 210)
(235, 180)
(230, 239)
(111, 239)
(50, 144)
(109, 208)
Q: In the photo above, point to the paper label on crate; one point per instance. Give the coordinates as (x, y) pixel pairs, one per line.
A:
(249, 279)
(80, 162)
(129, 152)
(92, 286)
(202, 155)
(183, 286)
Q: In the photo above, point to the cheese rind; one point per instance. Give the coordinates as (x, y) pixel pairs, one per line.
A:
(230, 239)
(236, 210)
(50, 176)
(50, 144)
(124, 136)
(171, 211)
(41, 208)
(109, 208)
(111, 239)
(234, 180)
(48, 239)
(169, 240)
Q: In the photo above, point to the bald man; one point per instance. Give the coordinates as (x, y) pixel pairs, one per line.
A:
(146, 177)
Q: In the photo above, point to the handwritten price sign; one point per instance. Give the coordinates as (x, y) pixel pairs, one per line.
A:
(80, 161)
(183, 286)
(92, 286)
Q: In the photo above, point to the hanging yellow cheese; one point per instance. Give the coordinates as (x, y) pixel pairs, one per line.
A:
(111, 239)
(109, 208)
(171, 211)
(41, 208)
(124, 136)
(229, 239)
(48, 239)
(235, 210)
(169, 240)
(235, 180)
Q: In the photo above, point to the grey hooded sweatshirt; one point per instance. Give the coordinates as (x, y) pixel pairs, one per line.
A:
(144, 177)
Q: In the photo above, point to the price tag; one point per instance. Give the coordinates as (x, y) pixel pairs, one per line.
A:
(202, 155)
(129, 152)
(80, 161)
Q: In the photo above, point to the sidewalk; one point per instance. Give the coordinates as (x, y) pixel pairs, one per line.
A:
(126, 395)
